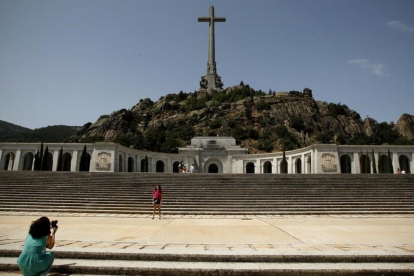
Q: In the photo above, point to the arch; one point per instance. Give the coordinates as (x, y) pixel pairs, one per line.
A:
(49, 162)
(9, 161)
(364, 160)
(267, 167)
(213, 161)
(131, 164)
(404, 163)
(250, 167)
(280, 166)
(213, 168)
(120, 163)
(144, 165)
(159, 167)
(383, 164)
(309, 164)
(28, 161)
(345, 162)
(85, 162)
(298, 165)
(88, 162)
(67, 160)
(176, 168)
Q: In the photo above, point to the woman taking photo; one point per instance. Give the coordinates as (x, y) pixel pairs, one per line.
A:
(157, 200)
(34, 260)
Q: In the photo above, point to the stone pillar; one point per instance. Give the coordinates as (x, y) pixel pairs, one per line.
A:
(356, 168)
(16, 163)
(74, 161)
(395, 161)
(290, 163)
(303, 163)
(126, 162)
(313, 161)
(151, 164)
(411, 163)
(55, 160)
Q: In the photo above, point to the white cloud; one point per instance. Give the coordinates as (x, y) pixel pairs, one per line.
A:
(376, 68)
(399, 26)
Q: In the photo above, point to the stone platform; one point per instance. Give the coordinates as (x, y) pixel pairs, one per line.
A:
(117, 244)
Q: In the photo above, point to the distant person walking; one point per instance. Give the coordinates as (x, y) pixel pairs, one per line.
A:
(34, 260)
(157, 201)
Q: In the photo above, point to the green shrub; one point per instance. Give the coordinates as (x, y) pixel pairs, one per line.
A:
(337, 109)
(262, 105)
(297, 123)
(325, 137)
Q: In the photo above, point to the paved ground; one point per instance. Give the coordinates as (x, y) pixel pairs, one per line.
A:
(330, 235)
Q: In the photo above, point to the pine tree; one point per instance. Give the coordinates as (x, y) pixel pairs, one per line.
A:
(60, 161)
(283, 164)
(41, 156)
(37, 164)
(366, 164)
(374, 166)
(361, 163)
(83, 165)
(390, 168)
(348, 164)
(380, 163)
(45, 160)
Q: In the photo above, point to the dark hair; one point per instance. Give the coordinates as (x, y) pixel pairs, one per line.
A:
(159, 187)
(40, 228)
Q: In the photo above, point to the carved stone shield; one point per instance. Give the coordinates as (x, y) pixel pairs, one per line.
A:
(328, 162)
(103, 161)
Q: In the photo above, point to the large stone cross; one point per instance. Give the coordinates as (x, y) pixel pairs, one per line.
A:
(211, 79)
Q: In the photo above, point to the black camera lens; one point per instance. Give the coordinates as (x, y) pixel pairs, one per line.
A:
(54, 223)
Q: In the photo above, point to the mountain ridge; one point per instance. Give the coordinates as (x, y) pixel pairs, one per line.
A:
(52, 134)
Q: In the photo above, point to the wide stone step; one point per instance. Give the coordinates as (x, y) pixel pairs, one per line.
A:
(216, 210)
(120, 267)
(220, 256)
(224, 212)
(147, 201)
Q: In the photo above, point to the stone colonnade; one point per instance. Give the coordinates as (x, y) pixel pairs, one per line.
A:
(111, 157)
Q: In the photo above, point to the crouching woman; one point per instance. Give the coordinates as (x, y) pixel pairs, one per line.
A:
(34, 260)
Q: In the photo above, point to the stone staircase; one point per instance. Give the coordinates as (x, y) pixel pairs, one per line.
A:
(207, 194)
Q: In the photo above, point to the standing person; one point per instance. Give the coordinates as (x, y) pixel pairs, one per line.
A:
(157, 200)
(192, 168)
(34, 260)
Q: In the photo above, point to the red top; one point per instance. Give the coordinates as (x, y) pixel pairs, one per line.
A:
(157, 194)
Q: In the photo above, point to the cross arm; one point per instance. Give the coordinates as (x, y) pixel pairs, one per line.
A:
(204, 19)
(219, 19)
(208, 19)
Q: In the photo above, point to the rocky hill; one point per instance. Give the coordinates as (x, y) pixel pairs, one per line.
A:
(262, 122)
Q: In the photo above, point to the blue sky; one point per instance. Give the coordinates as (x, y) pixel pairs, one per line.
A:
(68, 62)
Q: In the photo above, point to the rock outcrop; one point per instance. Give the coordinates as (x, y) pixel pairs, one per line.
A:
(258, 121)
(405, 126)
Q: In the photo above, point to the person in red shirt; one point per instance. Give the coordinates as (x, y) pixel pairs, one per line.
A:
(157, 200)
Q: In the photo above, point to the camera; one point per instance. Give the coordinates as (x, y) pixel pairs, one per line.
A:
(54, 223)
